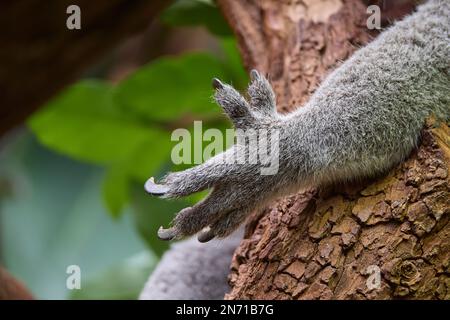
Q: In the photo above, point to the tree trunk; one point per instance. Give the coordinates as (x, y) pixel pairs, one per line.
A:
(334, 243)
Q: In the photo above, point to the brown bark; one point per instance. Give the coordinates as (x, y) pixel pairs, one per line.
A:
(39, 55)
(320, 244)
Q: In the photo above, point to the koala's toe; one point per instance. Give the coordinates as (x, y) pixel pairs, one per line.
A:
(229, 223)
(221, 211)
(206, 235)
(262, 97)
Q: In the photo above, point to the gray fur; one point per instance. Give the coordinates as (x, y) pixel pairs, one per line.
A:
(364, 118)
(177, 276)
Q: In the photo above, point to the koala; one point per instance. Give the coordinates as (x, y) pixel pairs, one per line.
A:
(364, 118)
(178, 276)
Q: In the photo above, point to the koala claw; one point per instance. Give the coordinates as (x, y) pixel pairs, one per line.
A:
(254, 75)
(167, 234)
(206, 236)
(217, 84)
(155, 189)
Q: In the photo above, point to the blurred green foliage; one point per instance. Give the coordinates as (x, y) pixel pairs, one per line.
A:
(121, 281)
(54, 217)
(124, 132)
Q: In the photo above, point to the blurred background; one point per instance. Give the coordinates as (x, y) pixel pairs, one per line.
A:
(72, 174)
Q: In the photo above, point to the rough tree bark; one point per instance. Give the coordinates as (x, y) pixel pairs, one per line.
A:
(323, 244)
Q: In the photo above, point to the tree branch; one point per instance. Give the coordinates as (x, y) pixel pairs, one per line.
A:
(319, 245)
(40, 55)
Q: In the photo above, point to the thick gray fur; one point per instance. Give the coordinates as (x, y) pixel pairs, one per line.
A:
(193, 270)
(363, 119)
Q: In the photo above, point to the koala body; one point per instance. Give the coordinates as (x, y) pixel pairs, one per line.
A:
(191, 270)
(364, 118)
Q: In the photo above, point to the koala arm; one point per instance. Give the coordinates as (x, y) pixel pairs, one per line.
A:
(364, 118)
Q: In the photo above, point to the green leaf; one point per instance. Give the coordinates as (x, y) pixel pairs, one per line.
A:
(145, 162)
(150, 213)
(150, 156)
(85, 124)
(195, 13)
(115, 190)
(167, 88)
(59, 215)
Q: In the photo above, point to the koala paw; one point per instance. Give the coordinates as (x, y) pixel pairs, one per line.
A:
(236, 188)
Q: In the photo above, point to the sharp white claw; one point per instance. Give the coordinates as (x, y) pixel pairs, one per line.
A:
(166, 234)
(154, 188)
(217, 84)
